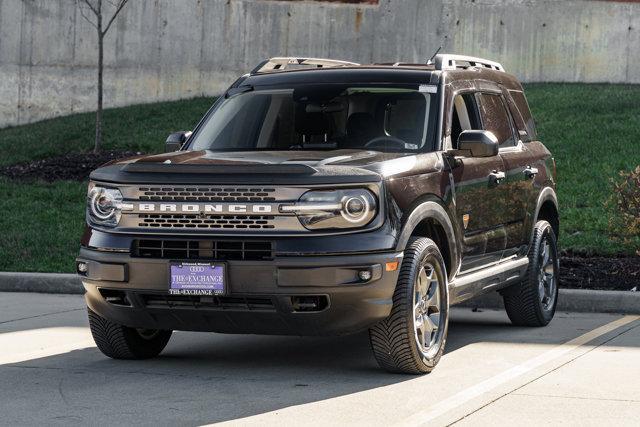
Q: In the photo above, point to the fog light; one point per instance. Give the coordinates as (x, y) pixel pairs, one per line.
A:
(364, 275)
(82, 267)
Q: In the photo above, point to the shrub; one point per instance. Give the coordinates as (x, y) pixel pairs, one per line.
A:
(624, 221)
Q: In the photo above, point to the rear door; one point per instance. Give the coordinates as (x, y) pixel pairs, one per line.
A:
(515, 188)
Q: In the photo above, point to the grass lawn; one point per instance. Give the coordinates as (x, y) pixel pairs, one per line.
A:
(137, 128)
(593, 131)
(41, 225)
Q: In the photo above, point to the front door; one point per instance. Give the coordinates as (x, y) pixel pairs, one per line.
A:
(478, 204)
(479, 198)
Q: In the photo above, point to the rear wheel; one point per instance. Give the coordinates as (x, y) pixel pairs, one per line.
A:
(121, 342)
(412, 339)
(533, 301)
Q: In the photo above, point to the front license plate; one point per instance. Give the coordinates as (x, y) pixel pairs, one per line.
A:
(196, 278)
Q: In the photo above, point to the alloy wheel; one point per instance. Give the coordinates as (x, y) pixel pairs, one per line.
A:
(547, 282)
(428, 311)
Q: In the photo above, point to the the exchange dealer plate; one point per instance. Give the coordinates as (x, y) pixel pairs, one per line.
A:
(196, 278)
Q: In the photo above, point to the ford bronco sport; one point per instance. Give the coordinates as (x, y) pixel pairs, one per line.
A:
(321, 197)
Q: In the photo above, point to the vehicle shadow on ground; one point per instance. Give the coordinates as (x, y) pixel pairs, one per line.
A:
(204, 378)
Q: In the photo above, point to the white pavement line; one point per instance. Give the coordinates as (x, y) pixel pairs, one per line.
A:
(50, 351)
(475, 391)
(76, 338)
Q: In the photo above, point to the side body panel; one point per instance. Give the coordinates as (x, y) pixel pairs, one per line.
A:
(504, 218)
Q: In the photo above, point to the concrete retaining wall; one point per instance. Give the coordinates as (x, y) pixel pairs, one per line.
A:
(169, 49)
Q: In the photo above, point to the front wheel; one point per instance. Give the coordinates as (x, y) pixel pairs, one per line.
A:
(121, 342)
(412, 339)
(532, 302)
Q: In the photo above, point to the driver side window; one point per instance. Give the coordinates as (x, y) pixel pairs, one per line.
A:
(465, 116)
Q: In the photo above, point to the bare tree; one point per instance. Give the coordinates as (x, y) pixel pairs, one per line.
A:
(92, 12)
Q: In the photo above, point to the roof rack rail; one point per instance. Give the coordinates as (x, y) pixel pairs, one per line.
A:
(401, 64)
(444, 61)
(281, 63)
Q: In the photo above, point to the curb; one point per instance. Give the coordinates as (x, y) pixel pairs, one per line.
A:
(571, 300)
(575, 300)
(46, 283)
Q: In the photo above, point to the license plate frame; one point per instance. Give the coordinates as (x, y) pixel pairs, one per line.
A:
(197, 278)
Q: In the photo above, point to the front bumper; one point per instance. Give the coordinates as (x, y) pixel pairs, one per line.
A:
(304, 295)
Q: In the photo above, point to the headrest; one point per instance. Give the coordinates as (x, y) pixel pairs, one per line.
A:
(312, 123)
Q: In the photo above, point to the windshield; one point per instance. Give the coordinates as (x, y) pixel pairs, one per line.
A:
(321, 117)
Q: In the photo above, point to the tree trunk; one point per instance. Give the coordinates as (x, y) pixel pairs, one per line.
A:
(98, 141)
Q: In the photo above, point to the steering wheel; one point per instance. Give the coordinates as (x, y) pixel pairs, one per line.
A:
(386, 142)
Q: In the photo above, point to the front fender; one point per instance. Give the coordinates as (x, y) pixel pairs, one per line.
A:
(430, 210)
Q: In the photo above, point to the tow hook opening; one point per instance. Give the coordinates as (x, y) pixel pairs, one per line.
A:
(309, 303)
(115, 297)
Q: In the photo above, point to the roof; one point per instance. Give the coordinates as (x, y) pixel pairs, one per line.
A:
(352, 74)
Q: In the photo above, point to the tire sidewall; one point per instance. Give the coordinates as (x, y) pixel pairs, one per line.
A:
(428, 255)
(544, 231)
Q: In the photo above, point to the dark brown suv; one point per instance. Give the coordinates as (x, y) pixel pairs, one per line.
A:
(325, 197)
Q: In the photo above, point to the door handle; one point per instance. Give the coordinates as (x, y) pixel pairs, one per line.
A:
(496, 176)
(530, 172)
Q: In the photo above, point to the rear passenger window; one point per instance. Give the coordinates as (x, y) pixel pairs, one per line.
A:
(525, 113)
(496, 118)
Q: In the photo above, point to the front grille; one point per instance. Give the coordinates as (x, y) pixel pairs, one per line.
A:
(208, 194)
(205, 221)
(207, 302)
(168, 209)
(216, 250)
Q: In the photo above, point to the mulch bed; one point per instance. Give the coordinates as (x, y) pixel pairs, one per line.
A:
(576, 271)
(605, 273)
(73, 166)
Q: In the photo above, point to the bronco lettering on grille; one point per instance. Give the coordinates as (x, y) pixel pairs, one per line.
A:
(222, 208)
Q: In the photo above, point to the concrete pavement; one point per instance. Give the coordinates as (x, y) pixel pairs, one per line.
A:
(582, 369)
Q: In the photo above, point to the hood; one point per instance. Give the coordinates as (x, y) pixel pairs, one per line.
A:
(336, 166)
(357, 158)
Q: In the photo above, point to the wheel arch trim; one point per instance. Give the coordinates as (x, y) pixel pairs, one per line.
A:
(430, 210)
(547, 194)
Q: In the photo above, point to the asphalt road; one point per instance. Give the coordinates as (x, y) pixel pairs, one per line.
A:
(581, 370)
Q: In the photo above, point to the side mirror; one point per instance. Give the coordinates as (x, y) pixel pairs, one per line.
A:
(480, 143)
(175, 141)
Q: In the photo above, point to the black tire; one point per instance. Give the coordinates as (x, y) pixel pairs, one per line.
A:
(524, 302)
(394, 340)
(121, 342)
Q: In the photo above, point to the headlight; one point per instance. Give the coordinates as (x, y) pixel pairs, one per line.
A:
(104, 205)
(334, 209)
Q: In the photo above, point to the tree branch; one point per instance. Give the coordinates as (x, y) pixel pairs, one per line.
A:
(118, 9)
(93, 9)
(86, 18)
